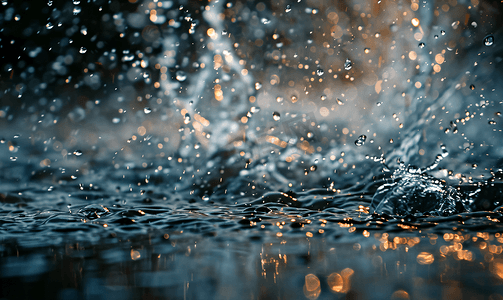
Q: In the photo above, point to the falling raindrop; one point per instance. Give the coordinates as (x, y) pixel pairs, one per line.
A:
(379, 103)
(348, 64)
(421, 45)
(288, 8)
(489, 40)
(323, 97)
(82, 50)
(186, 118)
(77, 153)
(49, 25)
(13, 158)
(320, 72)
(361, 140)
(147, 110)
(313, 168)
(180, 75)
(339, 101)
(442, 32)
(276, 116)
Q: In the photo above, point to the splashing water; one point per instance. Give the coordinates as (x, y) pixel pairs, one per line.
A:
(167, 136)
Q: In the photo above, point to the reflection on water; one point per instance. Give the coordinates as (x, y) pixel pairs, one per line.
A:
(238, 149)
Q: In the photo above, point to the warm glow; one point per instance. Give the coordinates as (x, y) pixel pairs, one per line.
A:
(415, 22)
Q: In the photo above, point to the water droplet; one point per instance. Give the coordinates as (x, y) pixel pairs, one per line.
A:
(197, 146)
(442, 32)
(472, 87)
(49, 25)
(288, 8)
(492, 122)
(180, 75)
(294, 99)
(421, 45)
(265, 21)
(76, 2)
(323, 97)
(379, 103)
(13, 158)
(77, 153)
(435, 36)
(205, 198)
(116, 120)
(489, 40)
(366, 50)
(313, 168)
(83, 30)
(82, 50)
(377, 35)
(147, 110)
(186, 118)
(276, 116)
(191, 102)
(76, 10)
(16, 136)
(4, 2)
(73, 177)
(348, 64)
(279, 99)
(254, 109)
(474, 166)
(258, 86)
(339, 101)
(361, 140)
(320, 72)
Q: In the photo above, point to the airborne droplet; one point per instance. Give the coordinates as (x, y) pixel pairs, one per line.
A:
(361, 140)
(82, 50)
(276, 116)
(320, 72)
(489, 40)
(77, 153)
(180, 76)
(348, 64)
(147, 110)
(421, 45)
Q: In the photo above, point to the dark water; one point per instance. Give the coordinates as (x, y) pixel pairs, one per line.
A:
(251, 150)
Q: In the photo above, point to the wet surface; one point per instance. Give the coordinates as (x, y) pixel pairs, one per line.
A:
(261, 150)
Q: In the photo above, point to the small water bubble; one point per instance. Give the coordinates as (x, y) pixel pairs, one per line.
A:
(73, 177)
(279, 99)
(16, 136)
(361, 140)
(116, 120)
(13, 158)
(77, 153)
(379, 103)
(76, 10)
(489, 40)
(224, 32)
(442, 32)
(17, 18)
(474, 166)
(197, 146)
(83, 30)
(294, 99)
(313, 168)
(323, 97)
(348, 64)
(377, 35)
(320, 72)
(258, 86)
(276, 116)
(76, 2)
(82, 50)
(472, 87)
(49, 25)
(421, 45)
(492, 122)
(288, 8)
(205, 198)
(180, 75)
(191, 102)
(339, 101)
(435, 36)
(147, 110)
(366, 50)
(4, 2)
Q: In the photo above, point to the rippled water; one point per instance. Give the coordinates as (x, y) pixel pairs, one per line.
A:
(263, 150)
